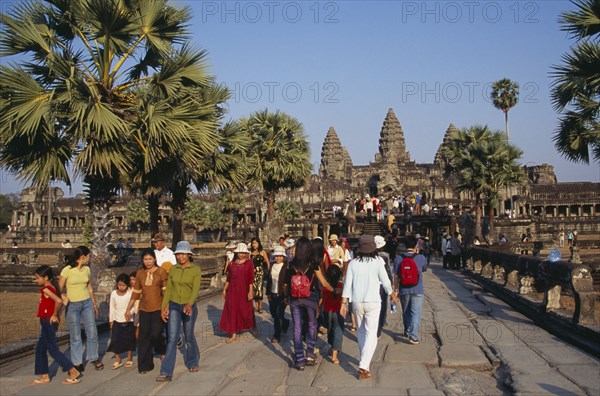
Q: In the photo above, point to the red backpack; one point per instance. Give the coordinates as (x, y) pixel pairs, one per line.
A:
(408, 273)
(301, 284)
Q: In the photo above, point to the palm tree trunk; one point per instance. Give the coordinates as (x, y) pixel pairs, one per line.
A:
(270, 197)
(478, 213)
(506, 124)
(491, 216)
(49, 212)
(153, 208)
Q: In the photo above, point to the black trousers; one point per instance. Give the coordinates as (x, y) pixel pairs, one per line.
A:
(150, 339)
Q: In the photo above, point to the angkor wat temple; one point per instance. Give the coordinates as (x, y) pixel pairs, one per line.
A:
(543, 200)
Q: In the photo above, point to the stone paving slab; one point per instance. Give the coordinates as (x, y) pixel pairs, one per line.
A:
(590, 381)
(401, 352)
(464, 356)
(458, 333)
(402, 375)
(425, 392)
(352, 391)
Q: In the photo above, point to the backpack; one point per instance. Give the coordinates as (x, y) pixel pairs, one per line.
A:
(301, 284)
(408, 272)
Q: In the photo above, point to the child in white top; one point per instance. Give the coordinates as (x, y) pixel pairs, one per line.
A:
(122, 337)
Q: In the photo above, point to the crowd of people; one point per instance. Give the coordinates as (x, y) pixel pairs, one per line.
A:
(328, 288)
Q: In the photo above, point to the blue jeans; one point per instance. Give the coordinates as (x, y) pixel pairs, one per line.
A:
(76, 312)
(191, 353)
(412, 307)
(307, 306)
(335, 329)
(383, 312)
(47, 344)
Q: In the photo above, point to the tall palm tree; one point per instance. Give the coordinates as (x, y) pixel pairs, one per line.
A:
(505, 95)
(483, 163)
(279, 154)
(577, 85)
(74, 96)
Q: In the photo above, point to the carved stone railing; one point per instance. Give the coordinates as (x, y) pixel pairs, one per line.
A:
(523, 275)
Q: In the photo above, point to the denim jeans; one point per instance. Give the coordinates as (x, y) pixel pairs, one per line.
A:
(335, 329)
(47, 344)
(76, 313)
(277, 309)
(307, 306)
(412, 307)
(191, 353)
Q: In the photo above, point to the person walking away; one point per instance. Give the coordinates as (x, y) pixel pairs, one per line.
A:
(380, 244)
(332, 302)
(150, 282)
(427, 251)
(446, 251)
(301, 289)
(361, 286)
(275, 281)
(122, 335)
(81, 307)
(238, 293)
(455, 251)
(179, 310)
(561, 238)
(411, 293)
(48, 313)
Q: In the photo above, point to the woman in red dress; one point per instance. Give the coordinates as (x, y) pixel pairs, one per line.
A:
(238, 314)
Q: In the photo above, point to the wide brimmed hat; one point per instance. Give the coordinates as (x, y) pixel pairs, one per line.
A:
(379, 241)
(418, 236)
(333, 237)
(290, 243)
(241, 248)
(183, 247)
(278, 251)
(231, 245)
(366, 244)
(158, 237)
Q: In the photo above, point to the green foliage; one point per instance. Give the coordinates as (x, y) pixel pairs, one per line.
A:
(505, 94)
(8, 203)
(483, 162)
(205, 217)
(137, 212)
(88, 232)
(288, 210)
(576, 85)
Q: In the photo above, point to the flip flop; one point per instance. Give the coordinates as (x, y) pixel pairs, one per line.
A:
(41, 381)
(116, 365)
(129, 363)
(71, 381)
(194, 369)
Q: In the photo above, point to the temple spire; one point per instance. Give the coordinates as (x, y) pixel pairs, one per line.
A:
(392, 146)
(335, 160)
(440, 158)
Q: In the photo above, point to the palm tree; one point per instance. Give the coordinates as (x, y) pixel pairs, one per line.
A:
(85, 69)
(505, 95)
(483, 163)
(288, 210)
(577, 85)
(279, 153)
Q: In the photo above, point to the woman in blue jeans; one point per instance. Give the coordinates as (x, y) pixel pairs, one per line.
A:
(303, 263)
(179, 310)
(81, 306)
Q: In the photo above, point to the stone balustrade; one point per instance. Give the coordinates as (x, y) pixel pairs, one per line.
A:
(521, 276)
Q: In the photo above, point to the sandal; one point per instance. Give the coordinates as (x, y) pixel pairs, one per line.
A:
(164, 378)
(335, 361)
(116, 365)
(71, 381)
(41, 381)
(129, 363)
(98, 365)
(194, 369)
(363, 374)
(310, 361)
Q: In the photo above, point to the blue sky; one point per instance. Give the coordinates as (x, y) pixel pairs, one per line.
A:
(344, 63)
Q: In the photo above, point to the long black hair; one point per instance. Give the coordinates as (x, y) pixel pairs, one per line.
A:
(260, 246)
(149, 252)
(46, 270)
(79, 252)
(303, 258)
(317, 250)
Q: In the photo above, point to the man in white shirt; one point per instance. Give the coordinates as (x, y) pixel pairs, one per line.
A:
(163, 253)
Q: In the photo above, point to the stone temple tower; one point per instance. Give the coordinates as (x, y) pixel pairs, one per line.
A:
(392, 147)
(335, 160)
(440, 158)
